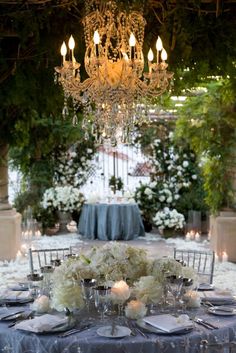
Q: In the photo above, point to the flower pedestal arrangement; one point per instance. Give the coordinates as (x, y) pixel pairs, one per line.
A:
(64, 218)
(169, 232)
(64, 200)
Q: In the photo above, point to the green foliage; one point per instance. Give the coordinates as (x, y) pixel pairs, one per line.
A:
(208, 121)
(116, 184)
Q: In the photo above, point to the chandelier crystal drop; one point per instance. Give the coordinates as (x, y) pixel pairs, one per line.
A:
(116, 82)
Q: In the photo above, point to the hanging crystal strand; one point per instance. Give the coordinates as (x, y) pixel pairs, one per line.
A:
(65, 111)
(75, 120)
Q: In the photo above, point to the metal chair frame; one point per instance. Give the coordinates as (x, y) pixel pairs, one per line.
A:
(46, 255)
(199, 260)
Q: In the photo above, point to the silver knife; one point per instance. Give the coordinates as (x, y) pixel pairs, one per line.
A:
(11, 315)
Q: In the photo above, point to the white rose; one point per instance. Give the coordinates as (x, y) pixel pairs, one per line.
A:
(194, 176)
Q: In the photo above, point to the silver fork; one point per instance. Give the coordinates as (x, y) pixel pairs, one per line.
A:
(73, 330)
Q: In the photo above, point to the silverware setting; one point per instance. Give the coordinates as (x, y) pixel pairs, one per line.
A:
(73, 330)
(134, 329)
(206, 324)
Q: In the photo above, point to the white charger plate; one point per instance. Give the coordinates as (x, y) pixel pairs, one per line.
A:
(153, 329)
(220, 311)
(120, 331)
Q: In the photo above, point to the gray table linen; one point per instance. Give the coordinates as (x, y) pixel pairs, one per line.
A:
(16, 341)
(111, 222)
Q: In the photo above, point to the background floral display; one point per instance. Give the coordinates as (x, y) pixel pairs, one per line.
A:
(63, 198)
(174, 171)
(73, 165)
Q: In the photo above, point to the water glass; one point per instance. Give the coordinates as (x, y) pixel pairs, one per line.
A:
(102, 298)
(87, 285)
(174, 286)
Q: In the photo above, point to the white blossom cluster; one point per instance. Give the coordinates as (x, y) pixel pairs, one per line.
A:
(63, 198)
(72, 168)
(109, 263)
(168, 218)
(173, 171)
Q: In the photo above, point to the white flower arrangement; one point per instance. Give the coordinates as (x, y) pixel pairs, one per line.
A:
(63, 198)
(148, 290)
(168, 218)
(111, 263)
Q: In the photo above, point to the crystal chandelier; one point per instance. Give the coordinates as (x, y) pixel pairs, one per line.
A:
(116, 80)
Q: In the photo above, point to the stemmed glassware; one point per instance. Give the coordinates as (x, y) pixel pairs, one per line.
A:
(102, 298)
(174, 285)
(87, 285)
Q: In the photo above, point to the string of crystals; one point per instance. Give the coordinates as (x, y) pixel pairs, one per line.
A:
(114, 63)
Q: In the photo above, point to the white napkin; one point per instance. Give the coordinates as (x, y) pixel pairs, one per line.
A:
(169, 323)
(42, 323)
(217, 296)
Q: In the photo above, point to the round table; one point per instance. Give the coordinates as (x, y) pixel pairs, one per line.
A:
(88, 341)
(120, 221)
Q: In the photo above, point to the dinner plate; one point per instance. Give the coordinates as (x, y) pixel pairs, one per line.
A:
(119, 332)
(205, 287)
(220, 311)
(153, 329)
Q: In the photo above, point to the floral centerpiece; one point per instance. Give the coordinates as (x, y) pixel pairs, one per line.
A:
(63, 198)
(169, 219)
(111, 263)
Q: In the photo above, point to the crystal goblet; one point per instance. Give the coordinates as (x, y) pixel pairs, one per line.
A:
(87, 285)
(102, 298)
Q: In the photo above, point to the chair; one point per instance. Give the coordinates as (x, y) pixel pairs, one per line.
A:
(46, 257)
(202, 261)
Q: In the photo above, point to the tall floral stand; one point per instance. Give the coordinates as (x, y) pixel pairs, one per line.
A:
(64, 219)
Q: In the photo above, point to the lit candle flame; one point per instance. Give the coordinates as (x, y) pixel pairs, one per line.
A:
(150, 55)
(159, 44)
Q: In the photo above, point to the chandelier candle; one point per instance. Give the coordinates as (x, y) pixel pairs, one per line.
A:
(96, 40)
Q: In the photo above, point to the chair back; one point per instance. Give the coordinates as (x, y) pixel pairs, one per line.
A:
(202, 261)
(46, 257)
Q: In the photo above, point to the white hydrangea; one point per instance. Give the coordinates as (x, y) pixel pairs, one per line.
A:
(63, 198)
(168, 218)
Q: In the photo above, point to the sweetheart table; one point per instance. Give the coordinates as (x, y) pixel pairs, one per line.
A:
(88, 341)
(114, 221)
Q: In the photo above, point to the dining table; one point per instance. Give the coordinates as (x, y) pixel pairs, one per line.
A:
(111, 221)
(138, 341)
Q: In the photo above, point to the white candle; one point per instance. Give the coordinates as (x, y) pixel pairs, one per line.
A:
(187, 237)
(120, 291)
(197, 237)
(192, 234)
(224, 256)
(135, 309)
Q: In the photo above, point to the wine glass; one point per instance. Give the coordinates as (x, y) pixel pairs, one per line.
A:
(87, 285)
(174, 286)
(102, 297)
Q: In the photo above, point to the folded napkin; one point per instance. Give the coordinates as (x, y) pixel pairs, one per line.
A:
(44, 323)
(217, 296)
(169, 323)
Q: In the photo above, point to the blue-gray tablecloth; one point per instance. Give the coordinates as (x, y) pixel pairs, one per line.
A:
(88, 341)
(111, 222)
